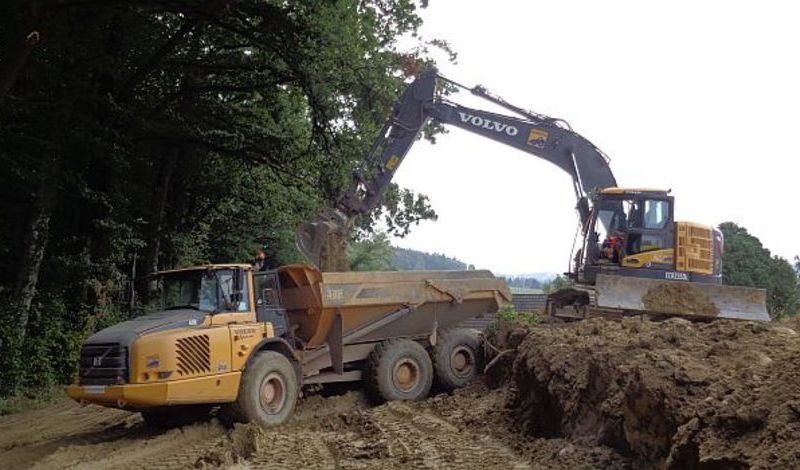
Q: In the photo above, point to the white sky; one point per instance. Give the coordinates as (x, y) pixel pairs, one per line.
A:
(699, 97)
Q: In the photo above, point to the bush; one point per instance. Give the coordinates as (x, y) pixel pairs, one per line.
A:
(510, 314)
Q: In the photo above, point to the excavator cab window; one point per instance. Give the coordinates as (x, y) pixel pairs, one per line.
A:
(656, 214)
(610, 222)
(650, 226)
(628, 225)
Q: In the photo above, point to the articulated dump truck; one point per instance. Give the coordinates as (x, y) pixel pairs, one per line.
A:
(248, 341)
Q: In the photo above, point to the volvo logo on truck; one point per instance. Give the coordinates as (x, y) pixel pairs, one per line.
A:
(489, 124)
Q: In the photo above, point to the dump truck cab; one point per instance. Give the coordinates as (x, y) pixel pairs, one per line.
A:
(187, 346)
(248, 341)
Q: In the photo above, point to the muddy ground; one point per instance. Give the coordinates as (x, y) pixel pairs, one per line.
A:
(721, 395)
(594, 394)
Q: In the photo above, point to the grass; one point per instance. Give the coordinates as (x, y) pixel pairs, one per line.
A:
(509, 314)
(31, 400)
(526, 318)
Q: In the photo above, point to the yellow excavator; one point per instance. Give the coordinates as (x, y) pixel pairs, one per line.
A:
(634, 259)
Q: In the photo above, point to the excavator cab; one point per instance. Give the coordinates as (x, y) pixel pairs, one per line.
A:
(629, 228)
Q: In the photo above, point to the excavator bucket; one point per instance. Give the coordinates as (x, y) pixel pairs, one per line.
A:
(312, 237)
(678, 298)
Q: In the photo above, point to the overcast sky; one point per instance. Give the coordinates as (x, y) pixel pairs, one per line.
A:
(699, 97)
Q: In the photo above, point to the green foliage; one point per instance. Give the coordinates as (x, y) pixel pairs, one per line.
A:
(371, 254)
(558, 282)
(31, 399)
(401, 210)
(375, 253)
(509, 314)
(413, 260)
(746, 262)
(177, 133)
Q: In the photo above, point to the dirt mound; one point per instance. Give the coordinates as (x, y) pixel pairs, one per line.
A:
(672, 394)
(679, 297)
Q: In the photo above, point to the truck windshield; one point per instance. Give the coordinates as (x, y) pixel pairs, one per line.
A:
(190, 289)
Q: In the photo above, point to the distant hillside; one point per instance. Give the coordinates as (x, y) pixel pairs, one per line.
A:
(524, 281)
(414, 260)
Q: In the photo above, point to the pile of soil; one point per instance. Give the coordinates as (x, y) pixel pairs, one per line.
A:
(677, 297)
(672, 394)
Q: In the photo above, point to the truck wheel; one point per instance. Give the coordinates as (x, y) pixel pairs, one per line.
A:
(167, 417)
(399, 369)
(456, 358)
(268, 390)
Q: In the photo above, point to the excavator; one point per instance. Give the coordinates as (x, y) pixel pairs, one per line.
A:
(634, 257)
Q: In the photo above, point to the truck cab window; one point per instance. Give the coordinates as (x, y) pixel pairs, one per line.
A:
(266, 291)
(226, 284)
(191, 289)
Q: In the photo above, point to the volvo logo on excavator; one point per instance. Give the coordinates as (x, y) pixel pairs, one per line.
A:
(484, 123)
(676, 276)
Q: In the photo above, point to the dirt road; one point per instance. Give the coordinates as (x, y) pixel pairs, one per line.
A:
(468, 430)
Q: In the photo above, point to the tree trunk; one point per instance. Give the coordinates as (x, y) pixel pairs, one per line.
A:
(159, 209)
(36, 237)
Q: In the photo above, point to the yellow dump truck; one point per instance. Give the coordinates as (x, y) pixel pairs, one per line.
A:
(226, 335)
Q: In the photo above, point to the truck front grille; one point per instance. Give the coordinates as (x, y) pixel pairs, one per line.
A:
(103, 364)
(193, 355)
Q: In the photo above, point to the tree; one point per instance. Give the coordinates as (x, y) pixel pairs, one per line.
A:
(413, 260)
(371, 254)
(745, 262)
(558, 282)
(137, 136)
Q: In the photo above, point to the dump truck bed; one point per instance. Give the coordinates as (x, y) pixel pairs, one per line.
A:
(420, 300)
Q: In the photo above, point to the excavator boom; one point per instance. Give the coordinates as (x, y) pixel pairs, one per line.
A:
(651, 251)
(541, 136)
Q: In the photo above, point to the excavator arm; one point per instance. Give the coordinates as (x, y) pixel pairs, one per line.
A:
(542, 136)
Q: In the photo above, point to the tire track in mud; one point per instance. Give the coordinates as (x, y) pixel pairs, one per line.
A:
(427, 441)
(341, 432)
(28, 437)
(177, 448)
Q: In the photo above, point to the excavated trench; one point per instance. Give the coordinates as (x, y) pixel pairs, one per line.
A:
(663, 395)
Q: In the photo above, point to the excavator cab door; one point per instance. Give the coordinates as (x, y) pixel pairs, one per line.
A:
(650, 237)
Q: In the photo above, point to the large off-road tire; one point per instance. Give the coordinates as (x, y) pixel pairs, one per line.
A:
(268, 390)
(167, 417)
(456, 358)
(399, 369)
